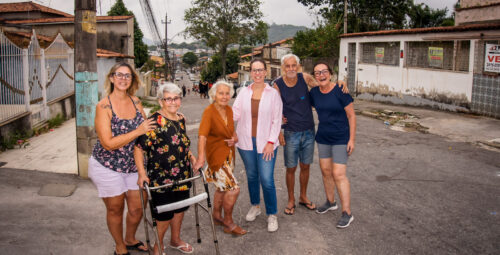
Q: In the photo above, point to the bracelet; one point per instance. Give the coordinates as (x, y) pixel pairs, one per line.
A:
(270, 142)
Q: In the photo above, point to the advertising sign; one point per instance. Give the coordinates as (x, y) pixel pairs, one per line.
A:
(436, 57)
(379, 54)
(492, 58)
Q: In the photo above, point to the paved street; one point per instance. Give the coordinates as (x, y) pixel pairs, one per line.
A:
(412, 193)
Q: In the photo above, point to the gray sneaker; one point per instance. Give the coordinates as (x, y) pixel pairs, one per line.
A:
(327, 206)
(345, 220)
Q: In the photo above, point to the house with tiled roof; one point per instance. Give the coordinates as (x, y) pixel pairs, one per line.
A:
(271, 53)
(29, 10)
(454, 68)
(114, 33)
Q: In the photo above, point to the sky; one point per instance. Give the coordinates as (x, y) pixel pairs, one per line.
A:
(274, 11)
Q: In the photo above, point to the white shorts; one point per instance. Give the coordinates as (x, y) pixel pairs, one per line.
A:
(110, 183)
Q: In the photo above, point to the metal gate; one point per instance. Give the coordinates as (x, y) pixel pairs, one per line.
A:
(351, 68)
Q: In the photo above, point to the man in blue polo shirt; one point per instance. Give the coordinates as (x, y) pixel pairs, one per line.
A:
(298, 135)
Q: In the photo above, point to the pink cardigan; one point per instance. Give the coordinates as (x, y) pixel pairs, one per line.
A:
(269, 124)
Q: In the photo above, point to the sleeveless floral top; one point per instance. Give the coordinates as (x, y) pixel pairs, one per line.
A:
(120, 160)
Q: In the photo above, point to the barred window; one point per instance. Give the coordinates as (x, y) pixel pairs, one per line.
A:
(445, 55)
(386, 53)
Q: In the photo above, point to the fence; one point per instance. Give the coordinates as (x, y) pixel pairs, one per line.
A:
(386, 53)
(33, 77)
(445, 55)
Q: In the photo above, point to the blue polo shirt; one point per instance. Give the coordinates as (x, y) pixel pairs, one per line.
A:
(333, 127)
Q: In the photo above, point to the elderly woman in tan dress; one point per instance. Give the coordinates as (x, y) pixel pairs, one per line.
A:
(216, 146)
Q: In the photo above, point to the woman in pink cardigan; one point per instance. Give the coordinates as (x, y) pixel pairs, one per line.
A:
(258, 110)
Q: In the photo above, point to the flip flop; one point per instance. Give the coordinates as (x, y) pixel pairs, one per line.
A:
(136, 247)
(290, 212)
(236, 231)
(309, 205)
(179, 248)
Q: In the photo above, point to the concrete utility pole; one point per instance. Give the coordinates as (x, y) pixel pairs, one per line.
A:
(345, 16)
(166, 22)
(86, 87)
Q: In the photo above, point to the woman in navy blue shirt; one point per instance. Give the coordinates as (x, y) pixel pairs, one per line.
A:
(335, 138)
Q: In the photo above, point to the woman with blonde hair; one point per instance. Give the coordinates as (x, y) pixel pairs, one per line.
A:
(216, 145)
(119, 120)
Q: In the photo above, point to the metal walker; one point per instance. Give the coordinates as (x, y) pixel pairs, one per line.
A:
(195, 199)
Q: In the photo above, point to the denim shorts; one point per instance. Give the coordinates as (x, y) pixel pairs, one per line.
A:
(338, 152)
(299, 146)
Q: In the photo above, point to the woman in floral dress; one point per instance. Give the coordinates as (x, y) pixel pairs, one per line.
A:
(166, 150)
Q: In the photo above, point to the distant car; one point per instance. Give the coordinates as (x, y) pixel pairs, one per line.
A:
(177, 78)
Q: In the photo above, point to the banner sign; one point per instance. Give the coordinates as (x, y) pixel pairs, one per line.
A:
(379, 54)
(492, 58)
(436, 57)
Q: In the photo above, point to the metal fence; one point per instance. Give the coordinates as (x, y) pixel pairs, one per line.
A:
(12, 98)
(445, 55)
(386, 53)
(32, 77)
(59, 65)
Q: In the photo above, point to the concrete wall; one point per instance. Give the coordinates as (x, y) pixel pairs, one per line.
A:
(477, 15)
(472, 3)
(117, 36)
(103, 67)
(443, 89)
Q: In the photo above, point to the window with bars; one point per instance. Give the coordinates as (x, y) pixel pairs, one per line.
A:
(445, 55)
(386, 53)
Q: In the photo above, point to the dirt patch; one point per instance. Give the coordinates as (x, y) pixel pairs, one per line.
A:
(399, 121)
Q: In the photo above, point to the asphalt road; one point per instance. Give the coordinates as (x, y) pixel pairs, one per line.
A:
(412, 193)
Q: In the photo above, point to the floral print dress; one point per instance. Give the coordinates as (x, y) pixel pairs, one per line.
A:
(167, 153)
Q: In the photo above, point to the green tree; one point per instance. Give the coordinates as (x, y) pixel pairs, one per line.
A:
(213, 70)
(140, 48)
(320, 42)
(256, 36)
(420, 15)
(219, 23)
(189, 59)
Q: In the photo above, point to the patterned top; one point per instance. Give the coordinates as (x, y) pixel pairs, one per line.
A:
(120, 160)
(166, 150)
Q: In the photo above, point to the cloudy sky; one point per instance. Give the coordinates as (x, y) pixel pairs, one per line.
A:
(277, 11)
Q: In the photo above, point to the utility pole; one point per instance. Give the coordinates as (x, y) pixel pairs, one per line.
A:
(166, 22)
(345, 16)
(86, 87)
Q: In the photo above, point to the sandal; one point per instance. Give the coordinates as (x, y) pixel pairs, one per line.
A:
(136, 247)
(235, 231)
(180, 248)
(290, 211)
(309, 205)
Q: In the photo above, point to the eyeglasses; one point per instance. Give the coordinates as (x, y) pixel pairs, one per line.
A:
(322, 72)
(126, 76)
(258, 70)
(170, 99)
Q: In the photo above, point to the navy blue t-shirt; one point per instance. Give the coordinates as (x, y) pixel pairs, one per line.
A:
(296, 105)
(333, 127)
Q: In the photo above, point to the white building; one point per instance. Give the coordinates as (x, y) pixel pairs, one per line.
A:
(442, 67)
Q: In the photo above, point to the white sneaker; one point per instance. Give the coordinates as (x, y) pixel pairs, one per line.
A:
(252, 213)
(272, 223)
